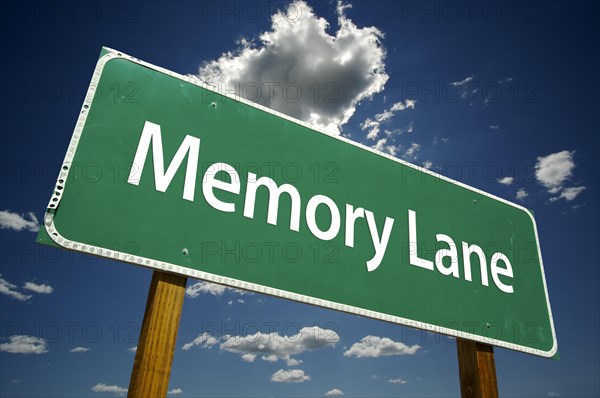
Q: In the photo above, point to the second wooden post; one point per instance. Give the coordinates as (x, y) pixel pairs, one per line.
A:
(477, 370)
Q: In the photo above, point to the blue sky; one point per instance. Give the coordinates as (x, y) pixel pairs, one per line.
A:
(502, 97)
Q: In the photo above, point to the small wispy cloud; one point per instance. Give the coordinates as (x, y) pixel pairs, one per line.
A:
(397, 381)
(382, 146)
(41, 289)
(521, 194)
(80, 349)
(495, 126)
(205, 340)
(462, 82)
(11, 290)
(175, 391)
(411, 152)
(199, 288)
(373, 126)
(101, 387)
(506, 180)
(569, 194)
(19, 222)
(336, 392)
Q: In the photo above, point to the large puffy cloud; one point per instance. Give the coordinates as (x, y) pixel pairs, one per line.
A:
(374, 347)
(270, 347)
(300, 69)
(553, 171)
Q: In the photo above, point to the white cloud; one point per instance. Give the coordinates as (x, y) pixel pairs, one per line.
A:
(10, 290)
(273, 347)
(289, 376)
(292, 362)
(495, 126)
(522, 194)
(397, 381)
(132, 349)
(17, 222)
(101, 387)
(270, 347)
(21, 344)
(569, 194)
(553, 394)
(391, 111)
(374, 126)
(197, 289)
(336, 392)
(389, 149)
(411, 152)
(175, 391)
(80, 349)
(462, 82)
(41, 289)
(554, 170)
(373, 346)
(428, 164)
(204, 340)
(320, 83)
(506, 180)
(248, 357)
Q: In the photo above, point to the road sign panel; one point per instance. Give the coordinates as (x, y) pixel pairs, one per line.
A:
(165, 172)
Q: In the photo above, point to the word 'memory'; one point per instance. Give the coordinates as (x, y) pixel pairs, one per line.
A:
(380, 237)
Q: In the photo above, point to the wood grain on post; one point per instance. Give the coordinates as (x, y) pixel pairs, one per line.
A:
(477, 370)
(156, 346)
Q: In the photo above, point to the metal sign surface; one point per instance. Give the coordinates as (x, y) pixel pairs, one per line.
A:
(167, 173)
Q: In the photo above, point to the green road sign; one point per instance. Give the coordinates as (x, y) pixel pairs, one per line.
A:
(164, 172)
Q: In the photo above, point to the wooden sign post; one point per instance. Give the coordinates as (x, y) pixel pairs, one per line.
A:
(477, 370)
(156, 346)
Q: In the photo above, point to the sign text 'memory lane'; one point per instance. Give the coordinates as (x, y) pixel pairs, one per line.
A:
(151, 136)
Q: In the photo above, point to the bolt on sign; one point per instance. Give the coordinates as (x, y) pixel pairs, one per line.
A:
(165, 172)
